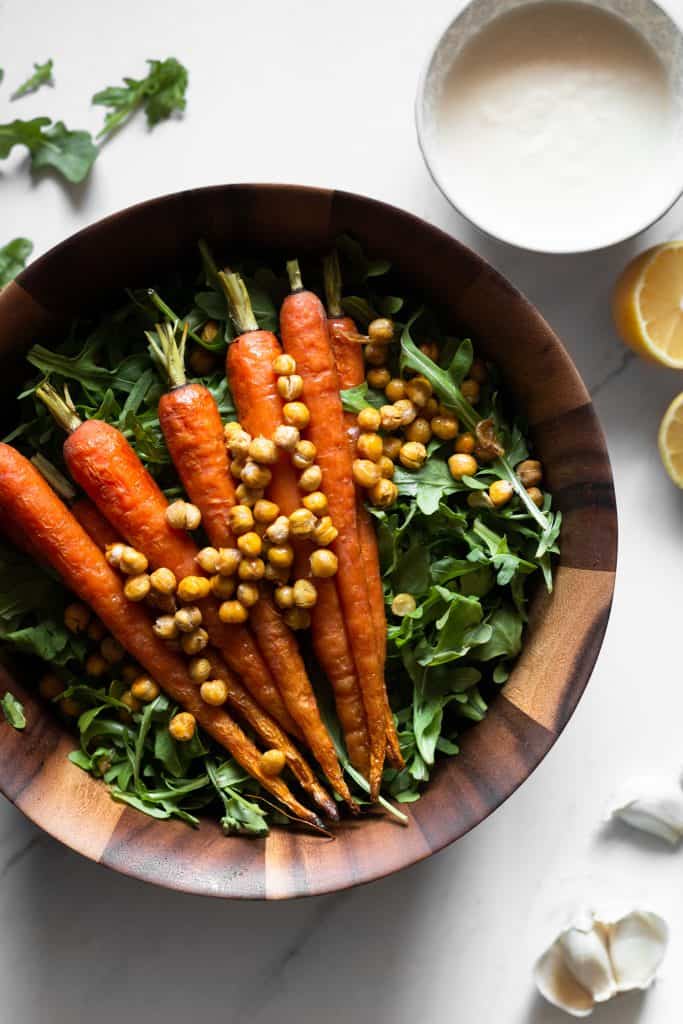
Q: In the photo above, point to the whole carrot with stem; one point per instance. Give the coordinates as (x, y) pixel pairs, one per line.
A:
(348, 358)
(253, 383)
(193, 431)
(31, 506)
(305, 336)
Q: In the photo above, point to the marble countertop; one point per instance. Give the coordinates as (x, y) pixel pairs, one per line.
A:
(324, 96)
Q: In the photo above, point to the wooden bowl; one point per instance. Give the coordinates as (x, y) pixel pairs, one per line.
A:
(565, 631)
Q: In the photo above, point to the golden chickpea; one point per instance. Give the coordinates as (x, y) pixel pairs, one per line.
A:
(365, 473)
(76, 617)
(430, 349)
(129, 673)
(236, 467)
(223, 587)
(214, 692)
(324, 563)
(375, 354)
(132, 562)
(302, 523)
(413, 455)
(431, 409)
(232, 612)
(403, 604)
(188, 619)
(386, 467)
(315, 502)
(304, 455)
(193, 588)
(311, 479)
(113, 553)
(50, 686)
(201, 362)
(136, 588)
(369, 419)
(470, 390)
(478, 371)
(536, 495)
(406, 410)
(369, 446)
(275, 574)
(230, 428)
(530, 472)
(296, 414)
(255, 476)
(390, 417)
(251, 569)
(284, 364)
(325, 532)
(395, 389)
(228, 560)
(163, 581)
(248, 594)
(238, 444)
(284, 597)
(263, 451)
(145, 690)
(278, 532)
(96, 631)
(183, 515)
(272, 763)
(281, 555)
(182, 727)
(381, 329)
(250, 544)
(461, 465)
(392, 446)
(297, 618)
(165, 604)
(111, 650)
(248, 496)
(378, 378)
(95, 665)
(199, 669)
(165, 627)
(419, 391)
(419, 430)
(500, 492)
(241, 520)
(305, 594)
(265, 511)
(70, 707)
(194, 642)
(465, 444)
(384, 493)
(286, 437)
(290, 388)
(444, 427)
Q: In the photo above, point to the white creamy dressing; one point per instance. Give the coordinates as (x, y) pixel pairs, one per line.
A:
(556, 127)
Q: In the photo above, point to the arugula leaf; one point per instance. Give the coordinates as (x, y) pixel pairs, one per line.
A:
(360, 397)
(13, 257)
(13, 710)
(42, 75)
(160, 93)
(71, 153)
(506, 635)
(2, 75)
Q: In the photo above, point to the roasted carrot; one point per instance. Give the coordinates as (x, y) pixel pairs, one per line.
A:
(305, 336)
(105, 466)
(193, 430)
(253, 383)
(348, 357)
(28, 502)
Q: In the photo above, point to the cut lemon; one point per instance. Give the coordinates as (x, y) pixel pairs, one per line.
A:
(648, 305)
(671, 440)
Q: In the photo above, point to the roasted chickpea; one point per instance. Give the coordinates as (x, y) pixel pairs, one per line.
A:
(444, 427)
(431, 409)
(386, 467)
(395, 389)
(238, 444)
(263, 451)
(286, 437)
(163, 581)
(228, 560)
(403, 604)
(284, 597)
(231, 428)
(145, 689)
(185, 513)
(470, 390)
(281, 555)
(381, 329)
(194, 642)
(236, 467)
(275, 574)
(500, 492)
(278, 532)
(365, 473)
(311, 479)
(132, 562)
(241, 520)
(305, 594)
(304, 455)
(71, 708)
(193, 588)
(413, 455)
(478, 371)
(391, 417)
(165, 627)
(272, 763)
(430, 349)
(315, 502)
(201, 362)
(530, 472)
(223, 587)
(297, 618)
(419, 391)
(406, 410)
(384, 493)
(50, 686)
(130, 701)
(391, 446)
(199, 669)
(378, 377)
(461, 465)
(369, 418)
(207, 559)
(76, 617)
(465, 444)
(369, 446)
(232, 612)
(248, 594)
(419, 430)
(214, 692)
(248, 496)
(536, 495)
(96, 631)
(290, 388)
(113, 553)
(95, 665)
(375, 354)
(324, 563)
(255, 476)
(251, 569)
(284, 364)
(182, 727)
(188, 619)
(136, 588)
(165, 604)
(250, 544)
(129, 673)
(265, 511)
(111, 650)
(302, 523)
(296, 414)
(325, 532)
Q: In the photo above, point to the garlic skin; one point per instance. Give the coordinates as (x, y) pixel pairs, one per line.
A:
(652, 804)
(594, 958)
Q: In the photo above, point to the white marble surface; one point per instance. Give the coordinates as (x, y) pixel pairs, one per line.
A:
(324, 96)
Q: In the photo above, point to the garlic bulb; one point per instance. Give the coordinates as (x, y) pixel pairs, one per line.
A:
(593, 959)
(653, 805)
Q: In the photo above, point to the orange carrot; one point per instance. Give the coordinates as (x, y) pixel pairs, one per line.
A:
(303, 325)
(253, 383)
(32, 507)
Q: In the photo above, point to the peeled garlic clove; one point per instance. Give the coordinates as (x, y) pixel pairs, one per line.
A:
(637, 944)
(558, 985)
(653, 805)
(585, 954)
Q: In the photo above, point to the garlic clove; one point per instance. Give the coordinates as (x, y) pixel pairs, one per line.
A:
(653, 805)
(586, 957)
(637, 944)
(558, 985)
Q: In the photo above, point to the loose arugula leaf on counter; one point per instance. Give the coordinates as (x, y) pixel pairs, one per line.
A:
(13, 257)
(160, 93)
(13, 710)
(71, 153)
(42, 75)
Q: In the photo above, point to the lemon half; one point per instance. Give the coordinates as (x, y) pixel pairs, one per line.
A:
(648, 305)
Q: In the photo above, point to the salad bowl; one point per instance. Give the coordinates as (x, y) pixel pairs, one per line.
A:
(565, 629)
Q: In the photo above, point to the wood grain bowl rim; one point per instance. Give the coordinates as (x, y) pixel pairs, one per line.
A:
(565, 631)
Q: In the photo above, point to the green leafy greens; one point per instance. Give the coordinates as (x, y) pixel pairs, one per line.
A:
(13, 710)
(160, 93)
(70, 153)
(42, 75)
(13, 257)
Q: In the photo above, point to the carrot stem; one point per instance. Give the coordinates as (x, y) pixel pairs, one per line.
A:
(239, 303)
(294, 275)
(62, 409)
(333, 284)
(209, 264)
(168, 353)
(164, 308)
